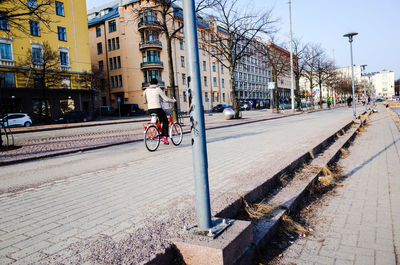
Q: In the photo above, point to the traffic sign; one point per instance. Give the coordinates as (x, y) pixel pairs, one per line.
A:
(314, 93)
(251, 103)
(118, 100)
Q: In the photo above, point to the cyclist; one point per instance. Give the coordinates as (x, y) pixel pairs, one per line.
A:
(154, 96)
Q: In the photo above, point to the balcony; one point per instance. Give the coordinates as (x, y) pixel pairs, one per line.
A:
(149, 24)
(151, 65)
(150, 44)
(4, 62)
(146, 84)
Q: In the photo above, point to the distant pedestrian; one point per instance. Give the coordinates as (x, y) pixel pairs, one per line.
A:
(349, 100)
(329, 102)
(369, 100)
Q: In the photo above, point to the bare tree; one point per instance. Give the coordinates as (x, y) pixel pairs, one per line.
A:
(313, 53)
(278, 59)
(166, 14)
(323, 66)
(44, 73)
(18, 13)
(234, 37)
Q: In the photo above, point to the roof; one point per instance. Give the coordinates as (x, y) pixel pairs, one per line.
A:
(113, 13)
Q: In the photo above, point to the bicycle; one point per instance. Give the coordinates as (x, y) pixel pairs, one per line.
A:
(152, 133)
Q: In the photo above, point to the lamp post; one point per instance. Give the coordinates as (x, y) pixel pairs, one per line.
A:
(363, 75)
(350, 36)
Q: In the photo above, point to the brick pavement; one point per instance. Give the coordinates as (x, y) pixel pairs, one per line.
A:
(360, 223)
(39, 225)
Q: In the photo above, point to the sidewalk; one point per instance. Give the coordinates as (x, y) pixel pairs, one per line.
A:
(360, 223)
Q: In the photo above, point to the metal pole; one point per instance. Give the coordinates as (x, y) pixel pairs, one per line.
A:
(200, 164)
(291, 57)
(365, 93)
(352, 77)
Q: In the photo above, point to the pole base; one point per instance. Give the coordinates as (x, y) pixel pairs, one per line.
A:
(218, 226)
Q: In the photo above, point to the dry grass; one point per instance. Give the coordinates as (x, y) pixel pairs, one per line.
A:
(284, 179)
(257, 210)
(338, 135)
(342, 131)
(328, 178)
(290, 227)
(361, 129)
(311, 154)
(368, 118)
(344, 152)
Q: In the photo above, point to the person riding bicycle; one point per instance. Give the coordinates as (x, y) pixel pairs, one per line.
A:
(154, 96)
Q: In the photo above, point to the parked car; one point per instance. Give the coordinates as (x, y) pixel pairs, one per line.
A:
(131, 110)
(15, 119)
(219, 108)
(105, 110)
(74, 116)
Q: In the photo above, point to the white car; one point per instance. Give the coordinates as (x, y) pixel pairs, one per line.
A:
(15, 119)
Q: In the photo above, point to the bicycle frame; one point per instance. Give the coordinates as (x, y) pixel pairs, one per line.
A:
(158, 124)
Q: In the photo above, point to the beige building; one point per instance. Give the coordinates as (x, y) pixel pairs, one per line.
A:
(130, 50)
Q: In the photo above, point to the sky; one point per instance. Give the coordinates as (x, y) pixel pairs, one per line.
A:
(325, 22)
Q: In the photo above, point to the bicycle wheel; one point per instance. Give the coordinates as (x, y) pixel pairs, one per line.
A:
(151, 138)
(176, 133)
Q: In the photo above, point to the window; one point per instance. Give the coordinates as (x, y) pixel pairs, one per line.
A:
(205, 81)
(215, 81)
(5, 51)
(183, 79)
(112, 26)
(206, 97)
(117, 41)
(182, 61)
(113, 43)
(203, 50)
(37, 55)
(181, 44)
(148, 75)
(115, 62)
(204, 65)
(119, 61)
(112, 82)
(62, 33)
(212, 51)
(109, 45)
(59, 8)
(7, 79)
(98, 31)
(34, 27)
(32, 4)
(120, 80)
(64, 58)
(223, 97)
(213, 67)
(223, 83)
(99, 48)
(3, 24)
(101, 66)
(111, 64)
(222, 69)
(151, 56)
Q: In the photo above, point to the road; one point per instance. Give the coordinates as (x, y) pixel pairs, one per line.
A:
(60, 209)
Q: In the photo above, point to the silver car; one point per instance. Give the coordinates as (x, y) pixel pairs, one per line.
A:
(15, 119)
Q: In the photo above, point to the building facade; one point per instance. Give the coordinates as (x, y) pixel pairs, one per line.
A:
(45, 69)
(129, 48)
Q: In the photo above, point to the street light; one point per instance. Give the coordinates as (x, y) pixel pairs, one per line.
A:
(291, 58)
(350, 36)
(363, 75)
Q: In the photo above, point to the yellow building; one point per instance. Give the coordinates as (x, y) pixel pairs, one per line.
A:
(46, 66)
(129, 48)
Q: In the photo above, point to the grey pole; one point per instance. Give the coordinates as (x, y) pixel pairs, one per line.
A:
(291, 58)
(200, 165)
(363, 76)
(350, 36)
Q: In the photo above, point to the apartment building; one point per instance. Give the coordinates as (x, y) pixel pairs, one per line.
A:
(24, 72)
(381, 83)
(128, 46)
